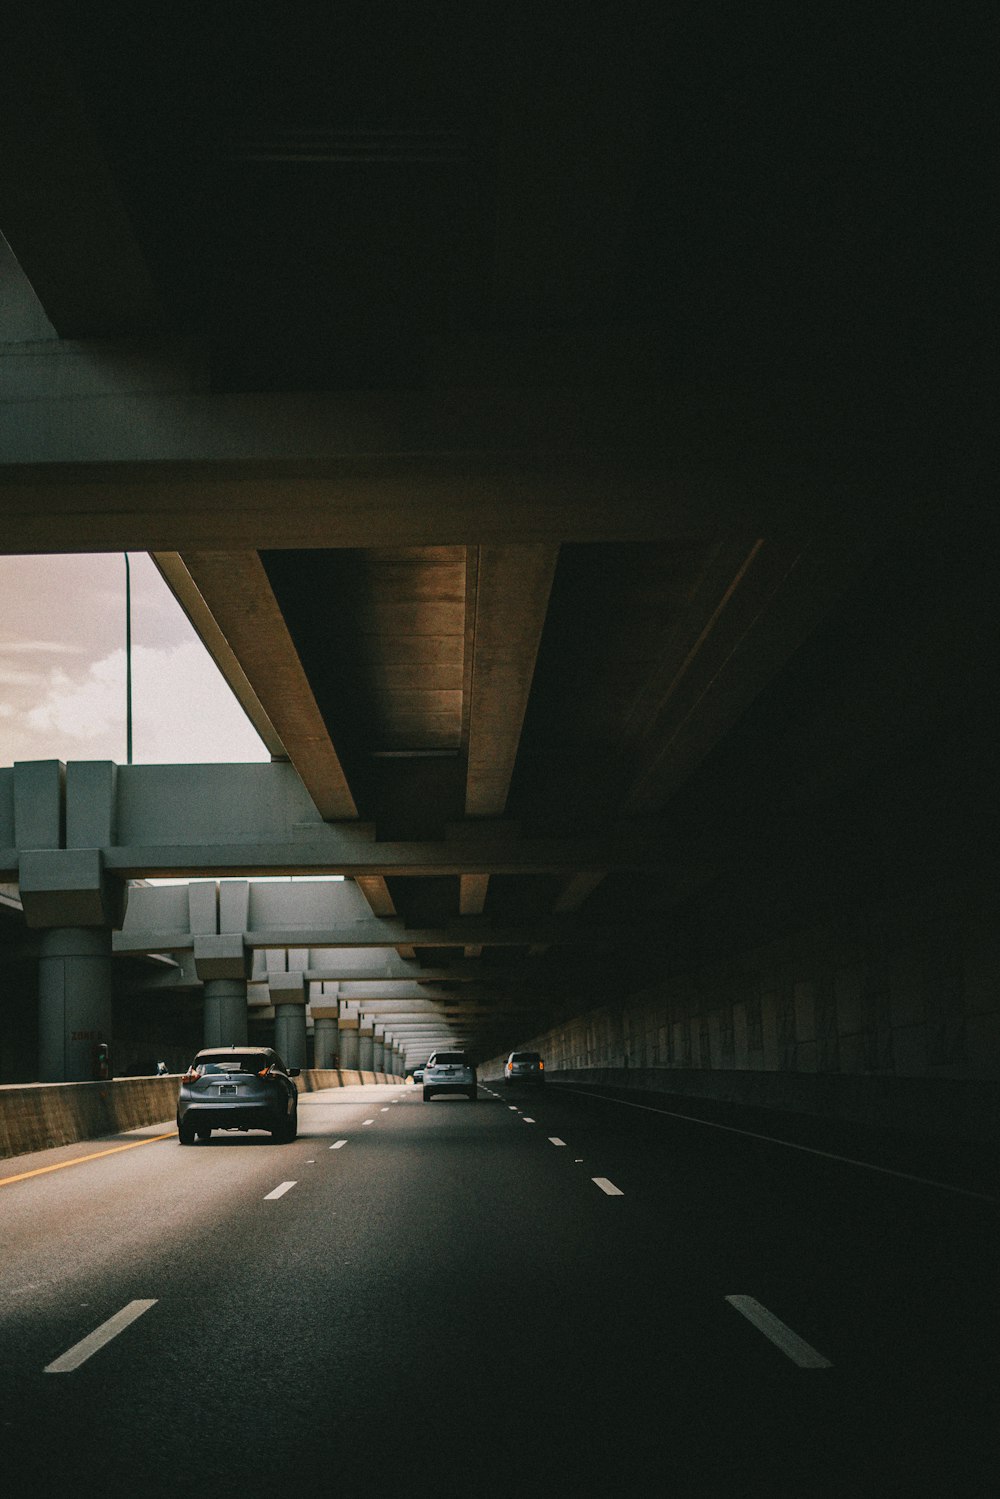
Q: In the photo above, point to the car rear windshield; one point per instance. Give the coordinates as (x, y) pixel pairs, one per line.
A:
(256, 1062)
(450, 1059)
(525, 1056)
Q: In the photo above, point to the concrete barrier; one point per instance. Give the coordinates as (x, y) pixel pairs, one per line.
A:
(39, 1116)
(311, 1079)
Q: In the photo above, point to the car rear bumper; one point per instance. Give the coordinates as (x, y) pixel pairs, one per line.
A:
(239, 1115)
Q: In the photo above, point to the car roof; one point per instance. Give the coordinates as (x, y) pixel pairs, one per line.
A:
(236, 1051)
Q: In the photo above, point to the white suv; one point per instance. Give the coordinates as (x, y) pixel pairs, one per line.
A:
(449, 1072)
(524, 1067)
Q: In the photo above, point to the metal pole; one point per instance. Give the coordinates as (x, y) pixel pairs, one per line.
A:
(128, 662)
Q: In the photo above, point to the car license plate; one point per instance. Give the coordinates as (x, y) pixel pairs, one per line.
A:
(227, 1088)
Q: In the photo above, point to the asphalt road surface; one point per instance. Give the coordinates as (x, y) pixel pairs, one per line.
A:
(538, 1294)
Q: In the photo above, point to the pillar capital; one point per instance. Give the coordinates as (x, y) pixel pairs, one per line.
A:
(221, 956)
(67, 887)
(286, 988)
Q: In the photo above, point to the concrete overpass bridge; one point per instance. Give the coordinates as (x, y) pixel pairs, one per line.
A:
(591, 539)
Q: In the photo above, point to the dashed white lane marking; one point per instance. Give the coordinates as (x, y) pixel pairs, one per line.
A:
(367, 1121)
(338, 1144)
(385, 1109)
(606, 1186)
(797, 1349)
(526, 1120)
(279, 1191)
(555, 1140)
(312, 1162)
(513, 1108)
(80, 1352)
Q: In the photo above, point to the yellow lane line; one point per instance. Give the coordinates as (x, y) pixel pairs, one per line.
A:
(5, 1181)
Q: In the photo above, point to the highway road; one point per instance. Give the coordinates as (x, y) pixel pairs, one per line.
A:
(545, 1294)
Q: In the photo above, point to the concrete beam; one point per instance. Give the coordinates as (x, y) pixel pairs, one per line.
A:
(229, 600)
(196, 820)
(507, 600)
(380, 934)
(101, 453)
(236, 590)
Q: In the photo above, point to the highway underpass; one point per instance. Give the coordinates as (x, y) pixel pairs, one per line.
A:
(552, 1293)
(571, 437)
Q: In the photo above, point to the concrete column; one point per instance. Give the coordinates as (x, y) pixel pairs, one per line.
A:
(223, 965)
(378, 1050)
(225, 1012)
(290, 1033)
(366, 1046)
(347, 1034)
(325, 1039)
(74, 1002)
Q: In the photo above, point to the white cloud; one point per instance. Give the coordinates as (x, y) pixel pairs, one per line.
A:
(56, 647)
(182, 711)
(16, 676)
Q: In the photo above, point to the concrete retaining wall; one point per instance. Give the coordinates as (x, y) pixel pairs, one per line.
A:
(38, 1116)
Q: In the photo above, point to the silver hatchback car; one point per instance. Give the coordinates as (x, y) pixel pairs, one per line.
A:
(449, 1072)
(238, 1087)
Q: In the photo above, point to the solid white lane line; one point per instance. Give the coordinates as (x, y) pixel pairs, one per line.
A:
(526, 1120)
(845, 1160)
(279, 1191)
(606, 1186)
(555, 1140)
(338, 1144)
(80, 1352)
(797, 1349)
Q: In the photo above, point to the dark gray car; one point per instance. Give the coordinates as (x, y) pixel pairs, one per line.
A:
(237, 1087)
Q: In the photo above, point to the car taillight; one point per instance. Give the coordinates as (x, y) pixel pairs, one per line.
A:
(191, 1075)
(541, 1066)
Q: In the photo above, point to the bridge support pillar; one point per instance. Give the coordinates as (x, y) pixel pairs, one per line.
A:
(366, 1045)
(347, 1032)
(74, 1002)
(325, 1039)
(225, 1012)
(287, 989)
(378, 1051)
(290, 1034)
(223, 965)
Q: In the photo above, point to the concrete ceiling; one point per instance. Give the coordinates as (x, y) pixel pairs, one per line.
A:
(511, 404)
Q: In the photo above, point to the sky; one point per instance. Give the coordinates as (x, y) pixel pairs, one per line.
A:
(62, 668)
